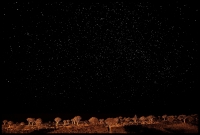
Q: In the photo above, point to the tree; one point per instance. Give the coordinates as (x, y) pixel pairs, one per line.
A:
(77, 119)
(142, 119)
(30, 121)
(9, 123)
(73, 121)
(182, 117)
(68, 122)
(127, 119)
(120, 117)
(101, 121)
(93, 120)
(64, 122)
(22, 123)
(164, 117)
(170, 118)
(190, 119)
(57, 120)
(111, 122)
(196, 117)
(135, 119)
(150, 118)
(4, 122)
(38, 122)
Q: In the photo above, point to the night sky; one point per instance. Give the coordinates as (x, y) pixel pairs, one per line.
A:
(101, 58)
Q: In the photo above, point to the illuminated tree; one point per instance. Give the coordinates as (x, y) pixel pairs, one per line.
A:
(73, 121)
(135, 119)
(30, 121)
(101, 121)
(142, 119)
(22, 123)
(38, 122)
(127, 119)
(68, 122)
(93, 120)
(9, 123)
(4, 122)
(170, 118)
(64, 122)
(150, 118)
(164, 117)
(77, 119)
(57, 120)
(182, 117)
(111, 122)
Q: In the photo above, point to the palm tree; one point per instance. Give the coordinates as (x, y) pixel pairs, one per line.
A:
(4, 122)
(164, 117)
(57, 120)
(93, 120)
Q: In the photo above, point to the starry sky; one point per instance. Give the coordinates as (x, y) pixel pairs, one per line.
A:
(99, 57)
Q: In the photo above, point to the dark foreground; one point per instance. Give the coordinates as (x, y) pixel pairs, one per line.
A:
(149, 128)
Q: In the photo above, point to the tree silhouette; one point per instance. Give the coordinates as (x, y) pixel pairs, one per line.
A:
(93, 120)
(57, 120)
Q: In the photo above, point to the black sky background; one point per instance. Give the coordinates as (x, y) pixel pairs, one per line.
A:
(99, 59)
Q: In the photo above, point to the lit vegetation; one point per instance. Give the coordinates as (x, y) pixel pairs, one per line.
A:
(143, 124)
